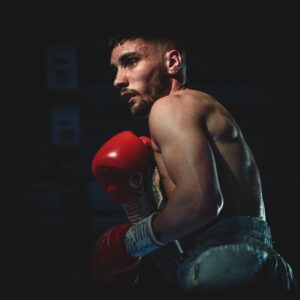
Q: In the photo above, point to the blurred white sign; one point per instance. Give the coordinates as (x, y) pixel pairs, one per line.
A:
(61, 66)
(65, 126)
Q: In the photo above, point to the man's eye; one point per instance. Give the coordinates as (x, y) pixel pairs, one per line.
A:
(132, 62)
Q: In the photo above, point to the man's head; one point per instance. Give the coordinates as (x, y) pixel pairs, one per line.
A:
(148, 67)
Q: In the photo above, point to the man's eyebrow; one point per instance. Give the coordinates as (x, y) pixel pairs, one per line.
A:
(123, 58)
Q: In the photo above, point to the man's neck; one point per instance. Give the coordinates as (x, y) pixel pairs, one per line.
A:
(176, 85)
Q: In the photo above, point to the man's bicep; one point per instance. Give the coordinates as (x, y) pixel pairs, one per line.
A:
(188, 158)
(185, 152)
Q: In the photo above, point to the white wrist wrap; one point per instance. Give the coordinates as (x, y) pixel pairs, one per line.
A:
(140, 239)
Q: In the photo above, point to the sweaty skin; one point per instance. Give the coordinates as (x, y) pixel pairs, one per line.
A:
(206, 169)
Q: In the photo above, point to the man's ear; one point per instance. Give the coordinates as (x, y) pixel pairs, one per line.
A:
(173, 59)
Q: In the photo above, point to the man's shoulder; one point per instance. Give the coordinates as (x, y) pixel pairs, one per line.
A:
(185, 97)
(182, 101)
(163, 104)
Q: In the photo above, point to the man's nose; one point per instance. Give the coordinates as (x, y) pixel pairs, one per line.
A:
(121, 80)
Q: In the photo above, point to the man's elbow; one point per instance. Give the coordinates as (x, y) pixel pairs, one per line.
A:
(207, 208)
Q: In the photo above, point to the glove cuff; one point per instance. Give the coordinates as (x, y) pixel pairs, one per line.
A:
(140, 239)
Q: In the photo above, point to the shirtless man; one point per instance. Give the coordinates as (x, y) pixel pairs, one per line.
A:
(206, 176)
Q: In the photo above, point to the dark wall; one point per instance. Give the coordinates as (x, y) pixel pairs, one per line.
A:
(55, 207)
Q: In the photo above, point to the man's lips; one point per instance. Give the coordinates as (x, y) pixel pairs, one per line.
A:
(127, 96)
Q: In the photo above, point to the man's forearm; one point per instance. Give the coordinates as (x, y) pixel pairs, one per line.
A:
(183, 214)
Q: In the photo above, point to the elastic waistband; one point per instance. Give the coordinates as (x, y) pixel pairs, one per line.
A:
(239, 227)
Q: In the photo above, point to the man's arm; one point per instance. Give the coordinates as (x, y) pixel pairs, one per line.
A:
(189, 161)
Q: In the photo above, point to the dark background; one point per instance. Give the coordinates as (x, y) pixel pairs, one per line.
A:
(245, 56)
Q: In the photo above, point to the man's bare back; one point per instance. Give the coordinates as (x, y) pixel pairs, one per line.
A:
(238, 176)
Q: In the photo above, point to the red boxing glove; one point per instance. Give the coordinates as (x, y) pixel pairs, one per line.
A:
(123, 166)
(111, 265)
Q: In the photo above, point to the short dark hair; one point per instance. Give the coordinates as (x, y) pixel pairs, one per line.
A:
(176, 41)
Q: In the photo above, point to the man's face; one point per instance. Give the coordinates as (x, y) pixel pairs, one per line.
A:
(141, 74)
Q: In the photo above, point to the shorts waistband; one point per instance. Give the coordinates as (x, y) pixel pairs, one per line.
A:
(239, 227)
